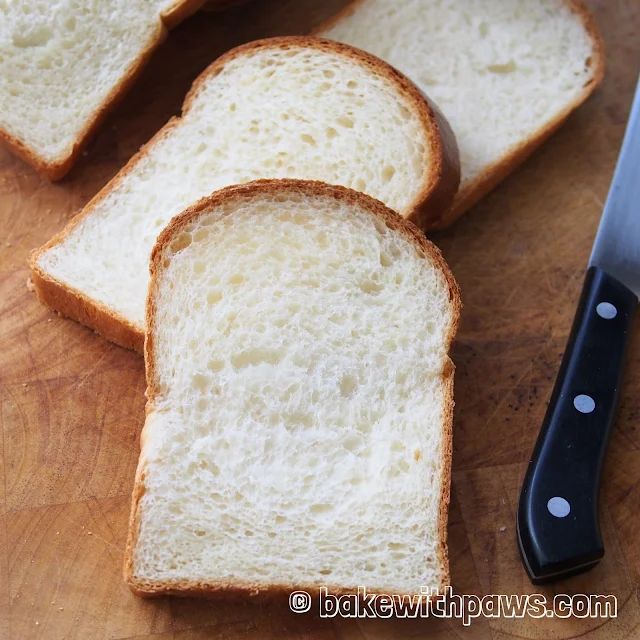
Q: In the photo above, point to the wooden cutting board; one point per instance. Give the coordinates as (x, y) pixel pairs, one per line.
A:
(71, 404)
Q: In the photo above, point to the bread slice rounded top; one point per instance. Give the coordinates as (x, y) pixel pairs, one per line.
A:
(303, 372)
(289, 107)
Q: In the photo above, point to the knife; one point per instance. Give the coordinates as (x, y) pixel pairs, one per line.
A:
(557, 521)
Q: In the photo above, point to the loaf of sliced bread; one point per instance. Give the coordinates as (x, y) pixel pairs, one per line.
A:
(64, 63)
(284, 107)
(299, 398)
(506, 73)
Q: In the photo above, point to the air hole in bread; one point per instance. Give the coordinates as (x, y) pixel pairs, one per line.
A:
(181, 242)
(346, 122)
(308, 139)
(507, 67)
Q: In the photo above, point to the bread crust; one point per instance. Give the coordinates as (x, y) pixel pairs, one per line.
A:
(475, 190)
(72, 303)
(440, 184)
(394, 221)
(55, 170)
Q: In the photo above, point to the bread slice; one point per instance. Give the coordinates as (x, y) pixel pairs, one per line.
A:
(505, 73)
(286, 107)
(64, 63)
(299, 398)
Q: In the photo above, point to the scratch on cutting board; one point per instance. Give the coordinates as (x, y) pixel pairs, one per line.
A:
(93, 369)
(595, 197)
(111, 546)
(508, 390)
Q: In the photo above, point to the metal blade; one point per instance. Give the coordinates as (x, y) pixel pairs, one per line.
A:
(617, 245)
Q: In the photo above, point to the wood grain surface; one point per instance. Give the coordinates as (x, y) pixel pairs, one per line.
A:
(71, 404)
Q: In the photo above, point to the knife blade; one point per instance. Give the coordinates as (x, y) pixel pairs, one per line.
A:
(557, 521)
(616, 249)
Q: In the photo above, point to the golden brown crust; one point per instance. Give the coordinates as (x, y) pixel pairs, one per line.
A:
(58, 169)
(447, 458)
(74, 304)
(446, 178)
(440, 184)
(475, 190)
(310, 189)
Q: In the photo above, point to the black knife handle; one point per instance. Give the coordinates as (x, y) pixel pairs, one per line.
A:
(558, 528)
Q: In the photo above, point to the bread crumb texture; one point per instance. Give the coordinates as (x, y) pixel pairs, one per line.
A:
(295, 432)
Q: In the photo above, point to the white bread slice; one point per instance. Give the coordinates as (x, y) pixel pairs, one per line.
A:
(299, 398)
(63, 65)
(506, 73)
(294, 107)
